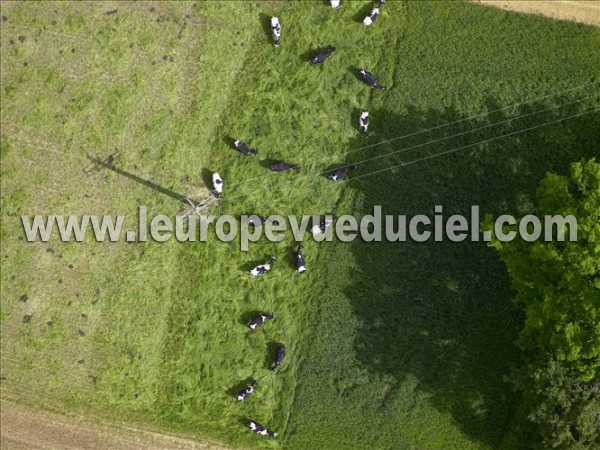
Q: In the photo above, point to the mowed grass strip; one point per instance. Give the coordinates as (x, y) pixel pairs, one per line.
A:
(98, 311)
(387, 347)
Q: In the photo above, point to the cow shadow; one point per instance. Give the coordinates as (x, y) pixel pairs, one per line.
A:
(355, 118)
(265, 22)
(267, 163)
(246, 317)
(354, 70)
(331, 167)
(206, 177)
(291, 254)
(363, 12)
(234, 390)
(310, 54)
(243, 420)
(248, 266)
(229, 141)
(270, 354)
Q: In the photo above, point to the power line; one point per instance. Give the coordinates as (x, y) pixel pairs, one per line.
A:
(554, 94)
(453, 150)
(389, 154)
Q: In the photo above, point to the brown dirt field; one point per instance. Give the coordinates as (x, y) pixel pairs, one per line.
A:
(578, 11)
(27, 429)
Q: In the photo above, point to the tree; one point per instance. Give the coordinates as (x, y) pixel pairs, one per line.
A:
(563, 409)
(558, 283)
(558, 286)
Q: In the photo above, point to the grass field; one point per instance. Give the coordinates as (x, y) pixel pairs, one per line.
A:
(389, 345)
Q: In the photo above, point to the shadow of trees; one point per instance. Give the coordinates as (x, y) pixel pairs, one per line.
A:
(442, 311)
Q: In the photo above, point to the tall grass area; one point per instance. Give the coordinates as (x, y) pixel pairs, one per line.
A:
(389, 345)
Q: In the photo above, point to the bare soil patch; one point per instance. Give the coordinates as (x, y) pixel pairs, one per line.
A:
(25, 429)
(578, 11)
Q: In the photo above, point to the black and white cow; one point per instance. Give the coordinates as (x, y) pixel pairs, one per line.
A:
(283, 166)
(259, 429)
(335, 4)
(341, 172)
(247, 391)
(279, 357)
(244, 149)
(319, 58)
(276, 28)
(262, 268)
(370, 79)
(364, 123)
(256, 220)
(217, 183)
(300, 264)
(371, 17)
(257, 321)
(323, 225)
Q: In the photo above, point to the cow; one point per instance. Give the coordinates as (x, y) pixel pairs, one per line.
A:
(300, 265)
(276, 28)
(262, 268)
(363, 124)
(323, 225)
(244, 149)
(279, 357)
(341, 172)
(257, 321)
(335, 4)
(247, 391)
(217, 183)
(370, 79)
(283, 166)
(320, 58)
(371, 17)
(259, 429)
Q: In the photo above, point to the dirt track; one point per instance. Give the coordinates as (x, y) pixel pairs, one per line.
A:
(26, 429)
(578, 11)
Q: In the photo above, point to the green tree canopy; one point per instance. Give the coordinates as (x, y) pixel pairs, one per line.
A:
(564, 410)
(558, 283)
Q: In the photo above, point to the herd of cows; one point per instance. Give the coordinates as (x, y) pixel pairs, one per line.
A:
(336, 175)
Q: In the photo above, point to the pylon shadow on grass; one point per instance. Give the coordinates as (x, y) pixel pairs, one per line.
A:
(109, 164)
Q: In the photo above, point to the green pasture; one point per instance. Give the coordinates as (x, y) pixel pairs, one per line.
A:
(390, 345)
